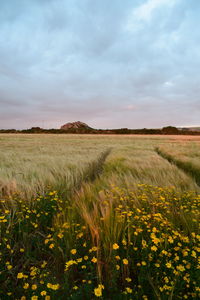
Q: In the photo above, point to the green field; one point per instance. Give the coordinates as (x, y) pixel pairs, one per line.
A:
(96, 216)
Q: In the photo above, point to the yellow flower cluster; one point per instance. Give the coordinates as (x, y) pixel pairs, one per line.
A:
(154, 231)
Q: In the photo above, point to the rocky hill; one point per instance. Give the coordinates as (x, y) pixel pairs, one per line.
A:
(75, 125)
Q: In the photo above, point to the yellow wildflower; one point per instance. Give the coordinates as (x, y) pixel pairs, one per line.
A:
(70, 263)
(98, 290)
(168, 265)
(43, 293)
(157, 265)
(83, 267)
(73, 251)
(129, 290)
(75, 287)
(180, 268)
(26, 286)
(9, 267)
(128, 279)
(43, 265)
(194, 254)
(170, 240)
(94, 259)
(144, 244)
(34, 287)
(124, 242)
(20, 275)
(115, 246)
(79, 260)
(154, 248)
(60, 235)
(117, 267)
(125, 261)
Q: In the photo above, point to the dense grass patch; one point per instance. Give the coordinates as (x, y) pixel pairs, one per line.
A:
(31, 162)
(142, 245)
(186, 166)
(65, 181)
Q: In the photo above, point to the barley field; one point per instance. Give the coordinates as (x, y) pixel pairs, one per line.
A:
(99, 217)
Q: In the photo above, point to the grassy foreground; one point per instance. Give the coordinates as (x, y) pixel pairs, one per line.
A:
(126, 226)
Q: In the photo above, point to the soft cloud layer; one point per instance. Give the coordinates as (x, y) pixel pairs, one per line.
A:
(108, 63)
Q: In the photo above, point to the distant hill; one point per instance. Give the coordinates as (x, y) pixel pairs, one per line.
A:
(75, 125)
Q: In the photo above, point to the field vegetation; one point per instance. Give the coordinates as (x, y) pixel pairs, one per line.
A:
(88, 217)
(186, 157)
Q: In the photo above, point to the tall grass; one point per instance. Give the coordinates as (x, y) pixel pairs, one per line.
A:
(30, 163)
(126, 227)
(186, 165)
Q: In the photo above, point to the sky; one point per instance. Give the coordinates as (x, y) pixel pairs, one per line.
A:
(110, 64)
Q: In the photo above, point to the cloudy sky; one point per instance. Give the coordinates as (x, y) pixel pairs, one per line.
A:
(110, 64)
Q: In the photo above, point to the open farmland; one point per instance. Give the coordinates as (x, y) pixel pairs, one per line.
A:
(88, 217)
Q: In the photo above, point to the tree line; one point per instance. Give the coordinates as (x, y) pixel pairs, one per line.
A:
(165, 130)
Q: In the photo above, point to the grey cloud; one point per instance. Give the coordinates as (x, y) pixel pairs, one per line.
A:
(63, 60)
